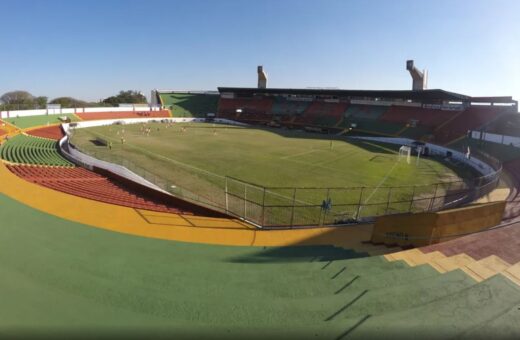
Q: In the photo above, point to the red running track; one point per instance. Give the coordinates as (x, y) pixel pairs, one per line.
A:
(50, 132)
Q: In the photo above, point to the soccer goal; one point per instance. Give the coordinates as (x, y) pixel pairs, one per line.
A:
(405, 151)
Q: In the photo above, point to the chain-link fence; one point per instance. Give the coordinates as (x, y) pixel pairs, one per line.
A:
(288, 207)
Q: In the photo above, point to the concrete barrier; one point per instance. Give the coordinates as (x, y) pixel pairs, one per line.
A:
(428, 228)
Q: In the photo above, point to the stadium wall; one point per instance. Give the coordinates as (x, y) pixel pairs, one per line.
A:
(41, 112)
(496, 138)
(422, 229)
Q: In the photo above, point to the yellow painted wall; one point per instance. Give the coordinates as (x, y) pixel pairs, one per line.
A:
(428, 228)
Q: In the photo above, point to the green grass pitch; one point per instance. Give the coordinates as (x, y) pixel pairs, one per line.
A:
(192, 160)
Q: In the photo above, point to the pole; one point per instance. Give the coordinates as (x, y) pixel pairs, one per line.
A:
(226, 196)
(388, 200)
(293, 204)
(359, 202)
(245, 201)
(263, 209)
(434, 197)
(411, 201)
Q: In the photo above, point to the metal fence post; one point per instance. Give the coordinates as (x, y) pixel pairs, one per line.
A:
(434, 197)
(245, 201)
(226, 195)
(411, 201)
(293, 204)
(263, 209)
(388, 200)
(359, 202)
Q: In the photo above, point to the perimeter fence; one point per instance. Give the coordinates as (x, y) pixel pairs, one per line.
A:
(291, 207)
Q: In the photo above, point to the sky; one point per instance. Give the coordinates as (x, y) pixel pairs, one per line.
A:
(93, 49)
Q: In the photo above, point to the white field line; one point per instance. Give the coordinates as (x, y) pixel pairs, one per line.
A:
(309, 151)
(343, 155)
(381, 183)
(380, 147)
(163, 157)
(375, 189)
(300, 154)
(192, 167)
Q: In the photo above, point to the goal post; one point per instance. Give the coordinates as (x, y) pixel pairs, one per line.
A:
(405, 152)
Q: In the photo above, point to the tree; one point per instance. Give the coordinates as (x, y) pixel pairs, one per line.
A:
(69, 102)
(40, 102)
(17, 100)
(126, 97)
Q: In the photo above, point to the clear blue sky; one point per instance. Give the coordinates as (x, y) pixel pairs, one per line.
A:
(93, 49)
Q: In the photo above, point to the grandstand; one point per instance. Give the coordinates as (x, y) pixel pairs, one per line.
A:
(436, 115)
(24, 149)
(187, 103)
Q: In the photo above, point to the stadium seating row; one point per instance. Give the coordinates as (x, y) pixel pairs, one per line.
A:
(469, 119)
(32, 150)
(84, 183)
(507, 124)
(445, 126)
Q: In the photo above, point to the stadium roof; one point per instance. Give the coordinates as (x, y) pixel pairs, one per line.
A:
(434, 95)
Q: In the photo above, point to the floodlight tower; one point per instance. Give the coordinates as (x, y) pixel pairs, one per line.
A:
(153, 98)
(262, 78)
(419, 79)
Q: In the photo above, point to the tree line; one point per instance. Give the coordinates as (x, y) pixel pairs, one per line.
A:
(23, 100)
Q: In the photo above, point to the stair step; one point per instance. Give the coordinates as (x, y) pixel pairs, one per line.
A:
(452, 263)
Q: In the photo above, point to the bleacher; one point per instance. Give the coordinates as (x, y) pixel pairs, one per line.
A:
(436, 125)
(469, 119)
(507, 124)
(416, 132)
(251, 109)
(84, 183)
(327, 114)
(282, 106)
(32, 150)
(190, 104)
(368, 112)
(424, 117)
(374, 126)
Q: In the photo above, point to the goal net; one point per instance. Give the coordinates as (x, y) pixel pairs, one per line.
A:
(405, 152)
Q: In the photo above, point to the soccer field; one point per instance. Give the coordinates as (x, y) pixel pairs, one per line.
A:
(193, 160)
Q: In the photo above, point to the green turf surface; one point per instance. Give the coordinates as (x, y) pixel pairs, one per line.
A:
(197, 160)
(190, 105)
(67, 279)
(26, 122)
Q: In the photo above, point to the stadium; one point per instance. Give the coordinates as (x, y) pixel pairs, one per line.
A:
(284, 212)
